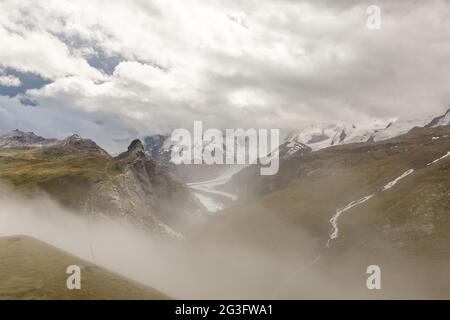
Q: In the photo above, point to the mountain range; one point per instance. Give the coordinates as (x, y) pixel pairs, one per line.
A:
(210, 180)
(345, 197)
(315, 136)
(83, 177)
(348, 206)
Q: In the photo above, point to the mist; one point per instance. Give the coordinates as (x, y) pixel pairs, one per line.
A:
(199, 267)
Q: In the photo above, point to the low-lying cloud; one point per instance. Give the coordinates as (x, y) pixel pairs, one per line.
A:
(201, 266)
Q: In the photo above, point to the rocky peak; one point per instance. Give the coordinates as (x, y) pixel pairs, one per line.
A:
(136, 145)
(18, 133)
(75, 137)
(21, 139)
(440, 120)
(155, 145)
(135, 151)
(75, 142)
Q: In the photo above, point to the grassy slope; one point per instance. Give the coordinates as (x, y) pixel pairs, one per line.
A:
(31, 269)
(405, 230)
(314, 186)
(66, 176)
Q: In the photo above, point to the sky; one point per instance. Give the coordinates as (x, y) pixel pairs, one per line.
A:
(114, 71)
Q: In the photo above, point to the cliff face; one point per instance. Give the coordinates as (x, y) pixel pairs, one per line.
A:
(82, 176)
(146, 193)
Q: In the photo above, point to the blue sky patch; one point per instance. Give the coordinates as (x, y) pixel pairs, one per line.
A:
(28, 81)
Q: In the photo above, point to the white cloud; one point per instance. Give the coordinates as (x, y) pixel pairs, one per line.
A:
(229, 63)
(9, 81)
(28, 46)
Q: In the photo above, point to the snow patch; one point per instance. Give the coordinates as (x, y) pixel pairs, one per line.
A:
(334, 220)
(439, 159)
(394, 182)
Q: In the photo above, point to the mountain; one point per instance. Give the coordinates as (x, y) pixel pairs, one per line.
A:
(83, 177)
(20, 139)
(75, 143)
(324, 135)
(251, 173)
(291, 148)
(396, 188)
(314, 227)
(314, 136)
(318, 137)
(210, 183)
(440, 120)
(341, 209)
(31, 269)
(161, 147)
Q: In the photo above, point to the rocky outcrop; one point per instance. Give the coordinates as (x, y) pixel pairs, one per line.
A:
(20, 139)
(85, 178)
(76, 143)
(145, 194)
(440, 121)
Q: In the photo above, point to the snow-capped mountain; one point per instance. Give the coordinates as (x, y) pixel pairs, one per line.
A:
(440, 121)
(310, 138)
(161, 147)
(326, 135)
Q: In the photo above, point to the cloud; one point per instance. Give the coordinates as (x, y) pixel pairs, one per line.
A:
(9, 81)
(155, 66)
(109, 132)
(13, 82)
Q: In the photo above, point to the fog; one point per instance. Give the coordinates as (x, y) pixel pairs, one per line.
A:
(201, 267)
